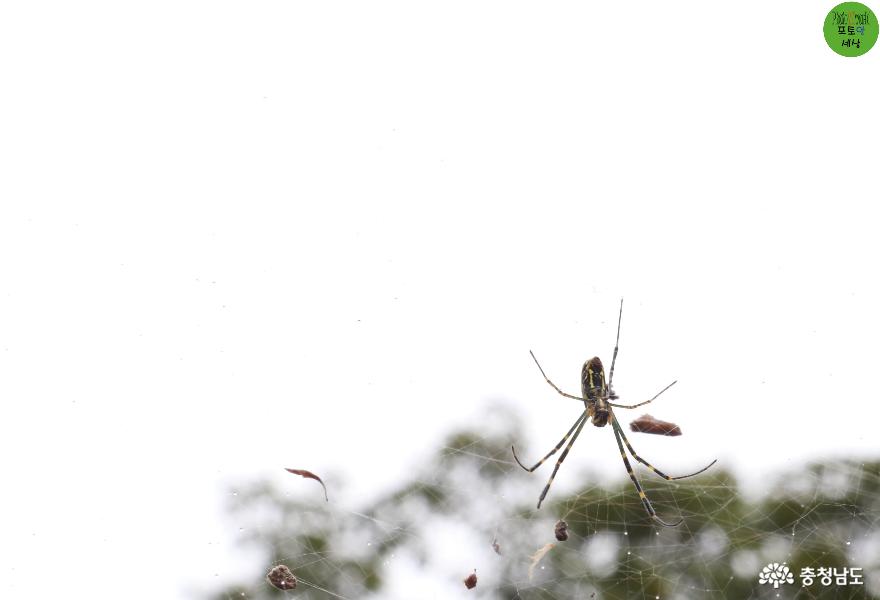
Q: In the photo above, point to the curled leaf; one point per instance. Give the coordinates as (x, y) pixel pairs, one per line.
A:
(648, 424)
(309, 475)
(537, 556)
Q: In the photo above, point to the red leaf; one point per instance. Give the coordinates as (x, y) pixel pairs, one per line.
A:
(310, 475)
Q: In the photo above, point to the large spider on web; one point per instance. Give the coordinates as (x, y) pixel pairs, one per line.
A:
(597, 397)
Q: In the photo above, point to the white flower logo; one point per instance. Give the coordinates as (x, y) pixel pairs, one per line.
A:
(776, 574)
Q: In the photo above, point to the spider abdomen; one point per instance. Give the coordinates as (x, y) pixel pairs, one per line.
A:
(595, 391)
(593, 379)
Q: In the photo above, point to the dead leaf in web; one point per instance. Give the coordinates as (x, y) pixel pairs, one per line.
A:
(309, 475)
(496, 546)
(470, 581)
(537, 556)
(281, 577)
(561, 530)
(648, 424)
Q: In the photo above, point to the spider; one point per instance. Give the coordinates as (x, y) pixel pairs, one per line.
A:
(597, 397)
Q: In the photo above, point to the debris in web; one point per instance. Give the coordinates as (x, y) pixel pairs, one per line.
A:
(310, 475)
(470, 581)
(282, 577)
(648, 424)
(496, 546)
(561, 530)
(537, 556)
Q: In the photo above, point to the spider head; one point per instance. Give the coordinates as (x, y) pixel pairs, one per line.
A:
(600, 413)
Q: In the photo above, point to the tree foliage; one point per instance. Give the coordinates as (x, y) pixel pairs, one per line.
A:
(809, 518)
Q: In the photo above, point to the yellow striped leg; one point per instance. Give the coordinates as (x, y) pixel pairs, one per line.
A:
(577, 432)
(646, 401)
(555, 449)
(616, 425)
(616, 345)
(635, 480)
(547, 379)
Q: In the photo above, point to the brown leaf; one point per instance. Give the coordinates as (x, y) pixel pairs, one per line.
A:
(648, 424)
(281, 577)
(470, 581)
(537, 556)
(561, 530)
(310, 475)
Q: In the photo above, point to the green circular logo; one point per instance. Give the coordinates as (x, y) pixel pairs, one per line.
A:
(851, 29)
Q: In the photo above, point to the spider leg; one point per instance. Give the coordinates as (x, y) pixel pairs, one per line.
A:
(555, 449)
(635, 480)
(619, 430)
(577, 432)
(547, 379)
(562, 458)
(646, 401)
(616, 343)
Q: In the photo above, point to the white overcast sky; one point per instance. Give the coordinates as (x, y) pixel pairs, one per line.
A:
(237, 236)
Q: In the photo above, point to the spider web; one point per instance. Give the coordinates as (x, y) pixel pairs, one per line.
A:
(423, 538)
